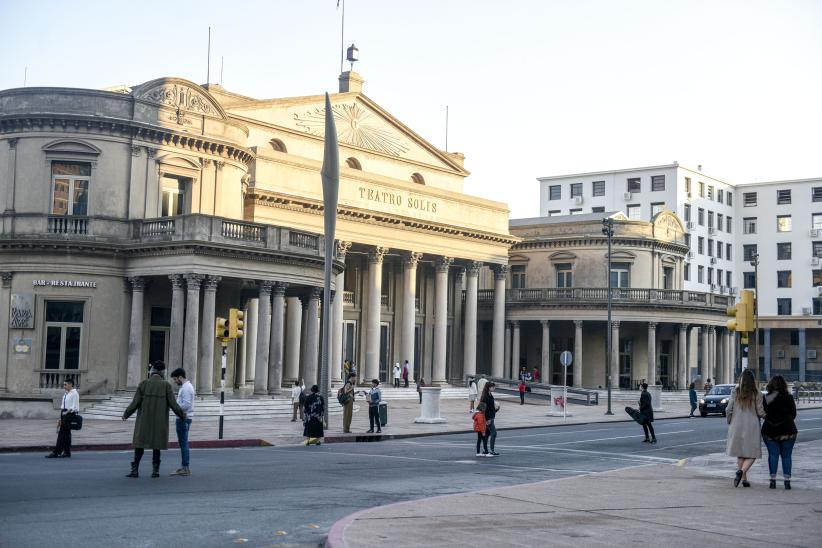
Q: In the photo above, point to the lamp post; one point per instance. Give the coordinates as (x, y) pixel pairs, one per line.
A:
(755, 359)
(608, 231)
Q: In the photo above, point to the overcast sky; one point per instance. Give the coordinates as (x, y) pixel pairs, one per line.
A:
(535, 88)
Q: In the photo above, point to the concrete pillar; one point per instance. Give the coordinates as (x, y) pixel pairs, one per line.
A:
(507, 367)
(723, 355)
(276, 339)
(651, 376)
(293, 333)
(409, 310)
(614, 380)
(251, 339)
(338, 306)
(803, 354)
(192, 326)
(263, 338)
(705, 369)
(441, 267)
(205, 377)
(312, 338)
(577, 353)
(498, 330)
(682, 358)
(693, 354)
(470, 335)
(455, 362)
(767, 353)
(515, 350)
(5, 312)
(178, 303)
(712, 353)
(734, 349)
(545, 369)
(135, 335)
(373, 314)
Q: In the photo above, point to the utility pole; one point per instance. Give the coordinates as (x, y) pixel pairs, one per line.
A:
(608, 231)
(755, 264)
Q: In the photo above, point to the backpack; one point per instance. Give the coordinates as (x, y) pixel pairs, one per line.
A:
(342, 397)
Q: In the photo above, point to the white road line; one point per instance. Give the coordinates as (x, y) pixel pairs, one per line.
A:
(813, 419)
(685, 445)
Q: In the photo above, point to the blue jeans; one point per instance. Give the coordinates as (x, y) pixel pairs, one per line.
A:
(182, 437)
(776, 449)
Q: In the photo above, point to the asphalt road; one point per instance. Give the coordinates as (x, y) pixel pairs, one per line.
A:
(292, 495)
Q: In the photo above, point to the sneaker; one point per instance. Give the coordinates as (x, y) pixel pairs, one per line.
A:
(369, 431)
(494, 454)
(653, 440)
(489, 455)
(483, 454)
(181, 472)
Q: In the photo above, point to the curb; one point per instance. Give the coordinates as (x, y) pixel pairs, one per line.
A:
(200, 444)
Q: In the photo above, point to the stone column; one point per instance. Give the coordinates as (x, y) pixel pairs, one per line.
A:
(337, 316)
(712, 369)
(705, 369)
(545, 365)
(693, 354)
(515, 350)
(206, 367)
(767, 353)
(373, 312)
(470, 335)
(507, 367)
(734, 346)
(651, 377)
(263, 338)
(192, 326)
(5, 311)
(498, 330)
(253, 319)
(312, 337)
(178, 303)
(722, 363)
(441, 267)
(276, 339)
(409, 310)
(293, 333)
(614, 354)
(577, 353)
(135, 336)
(682, 358)
(803, 354)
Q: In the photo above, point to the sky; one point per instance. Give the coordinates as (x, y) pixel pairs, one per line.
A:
(533, 88)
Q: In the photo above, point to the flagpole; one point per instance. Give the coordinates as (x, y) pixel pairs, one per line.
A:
(342, 35)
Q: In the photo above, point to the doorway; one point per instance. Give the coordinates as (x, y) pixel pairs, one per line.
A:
(626, 352)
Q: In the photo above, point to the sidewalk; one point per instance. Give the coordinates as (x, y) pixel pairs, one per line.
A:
(690, 504)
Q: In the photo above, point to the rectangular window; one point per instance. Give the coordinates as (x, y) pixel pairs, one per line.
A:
(784, 223)
(783, 251)
(657, 183)
(620, 275)
(783, 307)
(719, 249)
(749, 225)
(748, 280)
(599, 209)
(575, 211)
(749, 199)
(783, 196)
(565, 275)
(687, 212)
(688, 240)
(720, 221)
(687, 272)
(701, 189)
(729, 279)
(634, 185)
(555, 192)
(700, 274)
(518, 276)
(783, 278)
(816, 249)
(173, 195)
(817, 278)
(719, 195)
(748, 252)
(634, 212)
(728, 252)
(729, 198)
(598, 188)
(816, 221)
(688, 185)
(710, 275)
(817, 307)
(667, 278)
(700, 245)
(700, 216)
(554, 213)
(729, 223)
(816, 194)
(657, 208)
(710, 219)
(576, 189)
(64, 325)
(710, 192)
(69, 188)
(710, 247)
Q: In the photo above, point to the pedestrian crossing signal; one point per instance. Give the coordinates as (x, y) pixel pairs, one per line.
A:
(222, 331)
(235, 323)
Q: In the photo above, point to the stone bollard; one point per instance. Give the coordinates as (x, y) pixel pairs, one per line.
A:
(430, 406)
(656, 396)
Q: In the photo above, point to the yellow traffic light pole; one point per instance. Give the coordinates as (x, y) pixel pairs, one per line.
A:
(225, 331)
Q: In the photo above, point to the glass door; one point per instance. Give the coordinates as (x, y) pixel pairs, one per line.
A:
(626, 350)
(664, 367)
(385, 351)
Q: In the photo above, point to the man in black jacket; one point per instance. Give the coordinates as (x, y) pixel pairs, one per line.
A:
(646, 410)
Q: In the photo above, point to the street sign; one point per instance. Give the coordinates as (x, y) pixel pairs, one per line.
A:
(566, 359)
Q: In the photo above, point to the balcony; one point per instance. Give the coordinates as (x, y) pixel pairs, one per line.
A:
(598, 297)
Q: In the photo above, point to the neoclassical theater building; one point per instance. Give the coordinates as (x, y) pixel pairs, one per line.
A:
(131, 218)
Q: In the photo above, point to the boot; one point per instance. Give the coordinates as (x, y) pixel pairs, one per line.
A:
(787, 484)
(155, 469)
(134, 471)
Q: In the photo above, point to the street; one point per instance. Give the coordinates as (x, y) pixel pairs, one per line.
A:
(264, 496)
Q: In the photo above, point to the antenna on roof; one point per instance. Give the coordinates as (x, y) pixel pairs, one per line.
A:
(25, 75)
(446, 128)
(342, 34)
(208, 68)
(222, 59)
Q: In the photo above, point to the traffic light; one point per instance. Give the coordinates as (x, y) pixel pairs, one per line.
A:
(743, 313)
(748, 297)
(235, 323)
(222, 331)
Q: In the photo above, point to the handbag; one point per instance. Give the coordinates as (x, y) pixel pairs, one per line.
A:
(75, 421)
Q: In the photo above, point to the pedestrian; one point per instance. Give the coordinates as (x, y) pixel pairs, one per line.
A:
(745, 407)
(69, 407)
(405, 374)
(708, 386)
(779, 428)
(353, 371)
(481, 384)
(481, 428)
(185, 399)
(491, 409)
(397, 374)
(535, 375)
(646, 412)
(154, 397)
(297, 400)
(346, 369)
(692, 398)
(313, 417)
(472, 395)
(522, 392)
(374, 396)
(346, 398)
(522, 373)
(420, 386)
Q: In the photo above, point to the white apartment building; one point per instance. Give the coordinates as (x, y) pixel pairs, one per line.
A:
(726, 223)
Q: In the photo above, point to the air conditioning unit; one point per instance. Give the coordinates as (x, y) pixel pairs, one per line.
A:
(626, 196)
(780, 353)
(577, 200)
(813, 233)
(713, 260)
(732, 290)
(806, 310)
(689, 225)
(818, 290)
(814, 261)
(690, 254)
(711, 230)
(811, 354)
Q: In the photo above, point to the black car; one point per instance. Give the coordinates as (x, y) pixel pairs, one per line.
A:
(716, 400)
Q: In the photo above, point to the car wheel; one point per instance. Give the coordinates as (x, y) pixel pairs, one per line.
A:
(703, 413)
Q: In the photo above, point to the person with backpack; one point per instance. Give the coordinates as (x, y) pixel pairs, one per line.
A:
(481, 427)
(779, 429)
(313, 420)
(345, 395)
(374, 397)
(297, 400)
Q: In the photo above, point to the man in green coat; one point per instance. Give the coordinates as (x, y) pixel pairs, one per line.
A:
(153, 399)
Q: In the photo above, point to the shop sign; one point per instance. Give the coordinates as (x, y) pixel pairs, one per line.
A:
(22, 311)
(64, 283)
(22, 345)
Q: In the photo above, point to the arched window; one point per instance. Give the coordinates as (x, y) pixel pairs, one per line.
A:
(353, 163)
(417, 178)
(278, 145)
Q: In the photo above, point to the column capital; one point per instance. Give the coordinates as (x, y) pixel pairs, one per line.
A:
(545, 323)
(6, 277)
(279, 289)
(193, 281)
(177, 281)
(515, 324)
(412, 258)
(375, 256)
(473, 268)
(711, 329)
(683, 326)
(578, 324)
(265, 287)
(315, 293)
(442, 264)
(500, 271)
(13, 142)
(138, 283)
(651, 326)
(615, 325)
(211, 282)
(342, 249)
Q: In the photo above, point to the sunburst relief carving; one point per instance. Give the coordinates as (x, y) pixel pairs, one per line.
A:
(355, 126)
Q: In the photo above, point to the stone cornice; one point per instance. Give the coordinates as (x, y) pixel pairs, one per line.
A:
(580, 241)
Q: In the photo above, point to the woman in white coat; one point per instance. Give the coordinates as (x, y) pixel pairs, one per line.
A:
(397, 374)
(745, 407)
(472, 395)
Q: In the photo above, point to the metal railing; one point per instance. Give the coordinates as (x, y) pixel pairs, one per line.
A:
(575, 395)
(597, 295)
(67, 224)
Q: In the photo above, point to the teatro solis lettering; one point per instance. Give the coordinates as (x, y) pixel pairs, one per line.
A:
(398, 199)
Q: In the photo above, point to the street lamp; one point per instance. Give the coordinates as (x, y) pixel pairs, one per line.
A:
(608, 230)
(755, 264)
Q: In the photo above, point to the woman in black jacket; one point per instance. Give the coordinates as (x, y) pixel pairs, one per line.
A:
(779, 428)
(646, 412)
(491, 409)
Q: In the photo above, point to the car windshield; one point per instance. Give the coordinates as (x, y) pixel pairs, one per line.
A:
(720, 391)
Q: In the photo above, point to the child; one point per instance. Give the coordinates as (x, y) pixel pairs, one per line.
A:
(522, 392)
(480, 427)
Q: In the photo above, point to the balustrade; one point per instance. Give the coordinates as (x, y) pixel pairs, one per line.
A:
(54, 378)
(65, 224)
(597, 295)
